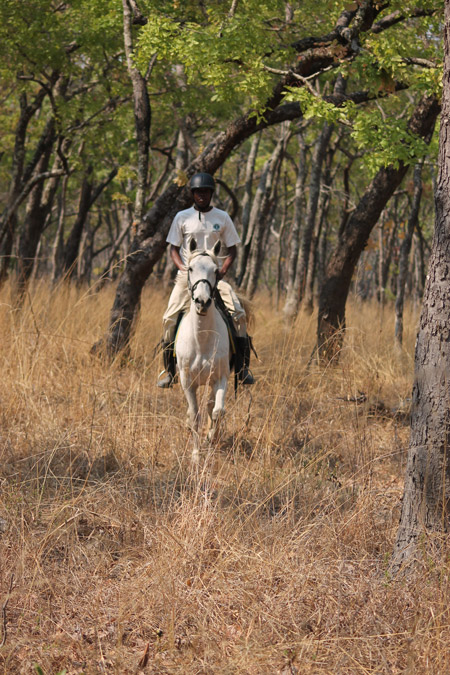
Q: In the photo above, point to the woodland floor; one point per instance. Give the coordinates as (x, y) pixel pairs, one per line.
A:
(117, 555)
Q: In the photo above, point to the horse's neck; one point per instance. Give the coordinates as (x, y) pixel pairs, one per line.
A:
(204, 327)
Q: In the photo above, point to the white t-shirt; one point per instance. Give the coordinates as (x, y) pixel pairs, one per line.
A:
(206, 228)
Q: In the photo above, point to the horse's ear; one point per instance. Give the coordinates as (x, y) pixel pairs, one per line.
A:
(217, 247)
(192, 245)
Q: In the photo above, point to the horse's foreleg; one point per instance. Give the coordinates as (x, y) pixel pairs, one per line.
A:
(216, 407)
(192, 419)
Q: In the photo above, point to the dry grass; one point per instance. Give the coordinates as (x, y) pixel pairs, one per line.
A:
(271, 558)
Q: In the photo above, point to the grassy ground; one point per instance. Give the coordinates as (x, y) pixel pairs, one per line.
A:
(116, 555)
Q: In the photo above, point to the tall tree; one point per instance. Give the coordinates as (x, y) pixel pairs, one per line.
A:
(426, 499)
(353, 239)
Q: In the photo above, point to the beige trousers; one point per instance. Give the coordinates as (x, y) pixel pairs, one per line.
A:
(179, 302)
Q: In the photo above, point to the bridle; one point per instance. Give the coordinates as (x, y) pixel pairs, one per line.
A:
(192, 287)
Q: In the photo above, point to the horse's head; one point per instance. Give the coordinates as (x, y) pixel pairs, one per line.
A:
(202, 276)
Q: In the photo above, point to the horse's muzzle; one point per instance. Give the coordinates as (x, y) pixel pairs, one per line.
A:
(201, 306)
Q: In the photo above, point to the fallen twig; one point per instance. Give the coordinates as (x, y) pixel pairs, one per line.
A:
(4, 619)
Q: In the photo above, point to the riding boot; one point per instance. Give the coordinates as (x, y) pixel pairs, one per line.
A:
(169, 366)
(243, 371)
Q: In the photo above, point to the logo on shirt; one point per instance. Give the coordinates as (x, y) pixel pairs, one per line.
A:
(216, 227)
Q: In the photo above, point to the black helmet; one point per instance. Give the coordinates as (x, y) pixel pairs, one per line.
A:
(202, 180)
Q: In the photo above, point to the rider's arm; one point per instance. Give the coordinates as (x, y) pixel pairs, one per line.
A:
(232, 252)
(176, 257)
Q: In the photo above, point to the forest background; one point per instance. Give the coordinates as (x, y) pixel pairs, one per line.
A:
(319, 123)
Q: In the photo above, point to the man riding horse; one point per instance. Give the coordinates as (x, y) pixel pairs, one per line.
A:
(207, 225)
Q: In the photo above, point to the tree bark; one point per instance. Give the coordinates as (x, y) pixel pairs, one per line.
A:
(324, 203)
(405, 250)
(88, 196)
(57, 261)
(141, 107)
(291, 304)
(261, 216)
(36, 212)
(311, 209)
(333, 297)
(246, 205)
(21, 173)
(426, 505)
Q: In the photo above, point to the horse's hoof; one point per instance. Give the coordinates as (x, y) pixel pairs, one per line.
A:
(217, 414)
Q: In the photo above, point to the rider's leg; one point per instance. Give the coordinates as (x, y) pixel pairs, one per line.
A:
(243, 346)
(178, 302)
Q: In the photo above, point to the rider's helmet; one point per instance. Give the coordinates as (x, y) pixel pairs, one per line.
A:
(202, 180)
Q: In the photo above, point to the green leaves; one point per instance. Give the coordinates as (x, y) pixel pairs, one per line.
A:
(385, 140)
(221, 53)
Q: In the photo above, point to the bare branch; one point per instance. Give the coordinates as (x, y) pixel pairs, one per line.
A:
(424, 63)
(397, 17)
(4, 617)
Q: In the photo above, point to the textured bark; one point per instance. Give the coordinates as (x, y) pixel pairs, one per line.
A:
(405, 250)
(425, 507)
(73, 241)
(256, 208)
(246, 205)
(386, 250)
(311, 210)
(291, 304)
(58, 244)
(141, 108)
(262, 215)
(334, 293)
(324, 203)
(36, 213)
(21, 173)
(88, 196)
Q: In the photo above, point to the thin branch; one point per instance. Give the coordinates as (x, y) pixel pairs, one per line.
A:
(233, 8)
(4, 617)
(397, 17)
(424, 63)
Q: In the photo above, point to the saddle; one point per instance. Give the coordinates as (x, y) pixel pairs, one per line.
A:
(237, 359)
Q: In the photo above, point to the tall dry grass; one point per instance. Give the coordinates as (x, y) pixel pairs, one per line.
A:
(272, 557)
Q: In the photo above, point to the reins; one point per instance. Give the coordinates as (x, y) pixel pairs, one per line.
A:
(192, 287)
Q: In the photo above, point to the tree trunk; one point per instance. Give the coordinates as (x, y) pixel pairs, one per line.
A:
(247, 204)
(261, 216)
(426, 505)
(88, 197)
(291, 304)
(73, 241)
(20, 173)
(419, 261)
(311, 210)
(387, 242)
(333, 297)
(36, 213)
(405, 250)
(256, 209)
(324, 203)
(142, 110)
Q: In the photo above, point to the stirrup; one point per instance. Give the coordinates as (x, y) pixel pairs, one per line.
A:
(166, 382)
(246, 377)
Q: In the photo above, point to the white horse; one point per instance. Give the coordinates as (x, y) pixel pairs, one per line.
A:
(202, 344)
